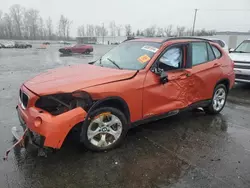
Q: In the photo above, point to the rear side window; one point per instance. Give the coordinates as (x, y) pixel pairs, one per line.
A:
(199, 53)
(216, 52)
(211, 55)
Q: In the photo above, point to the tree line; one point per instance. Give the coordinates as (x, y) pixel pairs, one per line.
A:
(22, 23)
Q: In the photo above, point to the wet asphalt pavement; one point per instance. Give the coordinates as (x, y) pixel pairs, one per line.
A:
(191, 149)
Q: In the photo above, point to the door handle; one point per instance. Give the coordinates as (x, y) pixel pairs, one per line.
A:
(216, 64)
(185, 75)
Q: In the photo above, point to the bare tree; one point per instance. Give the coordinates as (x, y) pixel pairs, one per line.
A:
(118, 30)
(128, 29)
(16, 12)
(90, 30)
(188, 32)
(8, 25)
(138, 33)
(69, 23)
(112, 28)
(2, 34)
(81, 31)
(150, 32)
(31, 21)
(49, 27)
(168, 31)
(64, 27)
(41, 29)
(98, 30)
(160, 32)
(180, 30)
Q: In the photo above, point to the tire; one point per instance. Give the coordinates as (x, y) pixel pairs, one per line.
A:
(219, 97)
(87, 52)
(94, 121)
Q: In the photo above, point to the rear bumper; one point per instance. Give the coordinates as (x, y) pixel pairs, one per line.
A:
(54, 129)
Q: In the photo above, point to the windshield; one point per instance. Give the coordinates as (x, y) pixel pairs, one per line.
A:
(244, 47)
(129, 55)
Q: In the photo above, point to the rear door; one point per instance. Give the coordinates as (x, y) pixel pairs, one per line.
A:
(206, 70)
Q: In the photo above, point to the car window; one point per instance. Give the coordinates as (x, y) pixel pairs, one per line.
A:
(216, 52)
(211, 55)
(171, 59)
(199, 53)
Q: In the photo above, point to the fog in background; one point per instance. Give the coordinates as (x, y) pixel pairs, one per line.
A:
(61, 19)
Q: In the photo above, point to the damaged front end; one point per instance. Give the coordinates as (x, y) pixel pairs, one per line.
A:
(59, 103)
(47, 120)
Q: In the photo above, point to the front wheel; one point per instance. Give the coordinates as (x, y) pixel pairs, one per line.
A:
(218, 101)
(104, 130)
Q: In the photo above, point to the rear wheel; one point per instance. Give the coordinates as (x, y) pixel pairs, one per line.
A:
(218, 101)
(105, 129)
(87, 52)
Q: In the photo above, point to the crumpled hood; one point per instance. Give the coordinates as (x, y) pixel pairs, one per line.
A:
(240, 56)
(72, 78)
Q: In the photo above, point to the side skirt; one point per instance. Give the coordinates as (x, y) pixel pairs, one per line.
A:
(171, 113)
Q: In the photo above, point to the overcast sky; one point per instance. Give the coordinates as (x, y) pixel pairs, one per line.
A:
(144, 13)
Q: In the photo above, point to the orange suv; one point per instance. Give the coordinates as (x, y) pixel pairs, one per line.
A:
(138, 81)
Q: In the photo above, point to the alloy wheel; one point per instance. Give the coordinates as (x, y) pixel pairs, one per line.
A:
(219, 99)
(104, 130)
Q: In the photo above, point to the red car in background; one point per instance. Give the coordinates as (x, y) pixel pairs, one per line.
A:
(78, 48)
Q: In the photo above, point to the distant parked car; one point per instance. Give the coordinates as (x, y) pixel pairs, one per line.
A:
(9, 44)
(78, 48)
(65, 42)
(20, 45)
(28, 45)
(46, 43)
(241, 58)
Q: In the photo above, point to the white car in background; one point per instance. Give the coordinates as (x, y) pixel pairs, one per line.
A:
(222, 43)
(241, 58)
(9, 44)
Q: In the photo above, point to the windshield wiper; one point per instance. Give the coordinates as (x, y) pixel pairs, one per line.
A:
(114, 63)
(240, 52)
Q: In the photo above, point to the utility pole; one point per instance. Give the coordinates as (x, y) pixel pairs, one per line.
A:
(102, 33)
(195, 13)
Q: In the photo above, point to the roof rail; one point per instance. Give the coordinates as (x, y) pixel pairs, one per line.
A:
(183, 38)
(131, 38)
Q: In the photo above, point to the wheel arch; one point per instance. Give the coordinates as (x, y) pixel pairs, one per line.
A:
(113, 101)
(224, 81)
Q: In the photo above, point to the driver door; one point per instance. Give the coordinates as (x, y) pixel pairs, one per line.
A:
(159, 98)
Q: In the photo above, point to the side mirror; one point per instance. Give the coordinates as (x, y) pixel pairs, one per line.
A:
(163, 77)
(231, 50)
(161, 73)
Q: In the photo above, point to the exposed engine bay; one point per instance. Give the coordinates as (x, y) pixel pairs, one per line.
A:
(59, 103)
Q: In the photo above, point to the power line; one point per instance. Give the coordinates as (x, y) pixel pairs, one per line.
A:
(242, 10)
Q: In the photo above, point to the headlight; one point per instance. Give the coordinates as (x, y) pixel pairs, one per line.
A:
(59, 103)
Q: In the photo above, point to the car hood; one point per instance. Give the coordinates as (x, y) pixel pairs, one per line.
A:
(72, 78)
(240, 56)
